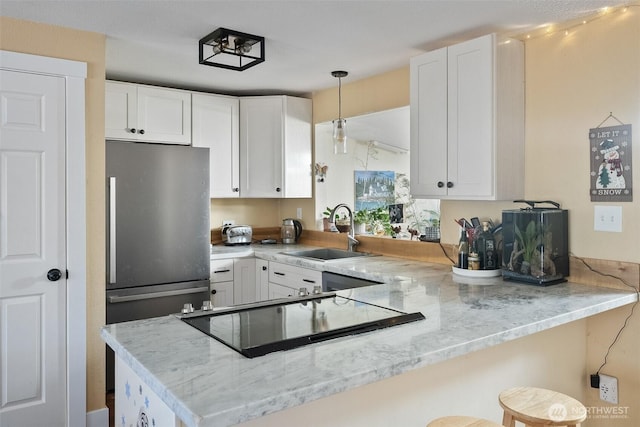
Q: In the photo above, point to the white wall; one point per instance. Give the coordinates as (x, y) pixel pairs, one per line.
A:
(338, 185)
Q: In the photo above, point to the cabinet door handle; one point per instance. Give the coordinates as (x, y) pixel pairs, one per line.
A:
(278, 273)
(264, 268)
(213, 291)
(449, 184)
(308, 280)
(235, 189)
(440, 184)
(222, 271)
(132, 130)
(278, 189)
(141, 131)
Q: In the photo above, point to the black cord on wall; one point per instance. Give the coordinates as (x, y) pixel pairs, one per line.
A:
(626, 320)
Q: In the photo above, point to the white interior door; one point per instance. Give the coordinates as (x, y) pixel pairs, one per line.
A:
(33, 376)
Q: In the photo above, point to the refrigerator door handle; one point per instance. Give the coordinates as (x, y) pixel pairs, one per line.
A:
(125, 298)
(112, 229)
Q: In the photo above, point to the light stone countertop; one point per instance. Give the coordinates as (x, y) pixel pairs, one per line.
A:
(207, 384)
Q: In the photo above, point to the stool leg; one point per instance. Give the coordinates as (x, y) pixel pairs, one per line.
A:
(507, 420)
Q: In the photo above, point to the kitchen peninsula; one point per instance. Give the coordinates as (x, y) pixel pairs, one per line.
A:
(479, 335)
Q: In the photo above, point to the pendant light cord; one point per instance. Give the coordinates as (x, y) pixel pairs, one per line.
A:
(339, 98)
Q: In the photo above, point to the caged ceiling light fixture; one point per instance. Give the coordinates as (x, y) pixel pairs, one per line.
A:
(231, 49)
(339, 124)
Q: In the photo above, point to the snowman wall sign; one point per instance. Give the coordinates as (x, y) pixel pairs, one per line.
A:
(611, 167)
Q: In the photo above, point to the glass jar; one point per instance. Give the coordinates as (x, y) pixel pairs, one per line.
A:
(474, 261)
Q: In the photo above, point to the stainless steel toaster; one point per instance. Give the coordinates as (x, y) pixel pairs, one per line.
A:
(237, 234)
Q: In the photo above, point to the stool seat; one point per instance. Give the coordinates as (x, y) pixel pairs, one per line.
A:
(540, 407)
(460, 421)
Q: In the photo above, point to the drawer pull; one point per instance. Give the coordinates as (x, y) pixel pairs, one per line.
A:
(308, 280)
(222, 271)
(278, 273)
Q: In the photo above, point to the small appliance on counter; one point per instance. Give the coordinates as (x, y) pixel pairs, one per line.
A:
(535, 244)
(290, 231)
(233, 235)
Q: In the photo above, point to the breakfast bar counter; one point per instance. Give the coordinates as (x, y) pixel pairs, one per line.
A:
(204, 383)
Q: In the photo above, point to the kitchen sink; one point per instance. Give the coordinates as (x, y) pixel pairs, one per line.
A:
(327, 254)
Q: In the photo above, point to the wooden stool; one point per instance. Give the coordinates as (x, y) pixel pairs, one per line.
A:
(539, 407)
(458, 421)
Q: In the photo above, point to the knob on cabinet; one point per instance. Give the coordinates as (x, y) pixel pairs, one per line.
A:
(440, 184)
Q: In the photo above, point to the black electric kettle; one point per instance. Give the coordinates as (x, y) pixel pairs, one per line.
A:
(291, 231)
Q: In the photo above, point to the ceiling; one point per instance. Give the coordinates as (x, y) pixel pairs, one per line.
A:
(156, 41)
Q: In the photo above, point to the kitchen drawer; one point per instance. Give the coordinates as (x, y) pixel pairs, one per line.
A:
(221, 271)
(294, 277)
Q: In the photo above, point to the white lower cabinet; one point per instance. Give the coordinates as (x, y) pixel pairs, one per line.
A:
(262, 278)
(286, 280)
(280, 291)
(246, 280)
(233, 281)
(245, 286)
(221, 282)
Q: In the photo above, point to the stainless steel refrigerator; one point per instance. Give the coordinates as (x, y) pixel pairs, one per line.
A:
(158, 231)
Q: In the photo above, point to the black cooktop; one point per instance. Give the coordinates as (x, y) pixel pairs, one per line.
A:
(277, 325)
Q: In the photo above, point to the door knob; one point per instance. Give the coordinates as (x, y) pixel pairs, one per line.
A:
(54, 275)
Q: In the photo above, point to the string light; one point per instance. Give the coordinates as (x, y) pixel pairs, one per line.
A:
(549, 30)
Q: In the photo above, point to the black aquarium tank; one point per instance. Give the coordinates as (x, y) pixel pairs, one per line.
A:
(535, 243)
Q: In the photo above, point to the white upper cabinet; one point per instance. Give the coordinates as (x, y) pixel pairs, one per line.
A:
(215, 124)
(147, 113)
(275, 147)
(467, 121)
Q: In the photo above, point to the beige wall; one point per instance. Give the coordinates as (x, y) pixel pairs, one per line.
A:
(572, 85)
(573, 82)
(46, 40)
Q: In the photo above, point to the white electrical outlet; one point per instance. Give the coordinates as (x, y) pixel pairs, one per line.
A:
(607, 218)
(609, 389)
(299, 213)
(226, 222)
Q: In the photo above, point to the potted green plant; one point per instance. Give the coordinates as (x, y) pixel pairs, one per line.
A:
(361, 218)
(326, 225)
(380, 222)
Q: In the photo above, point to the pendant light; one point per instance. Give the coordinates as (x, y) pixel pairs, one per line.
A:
(339, 124)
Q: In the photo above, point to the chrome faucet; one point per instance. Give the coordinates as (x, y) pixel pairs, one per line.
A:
(351, 239)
